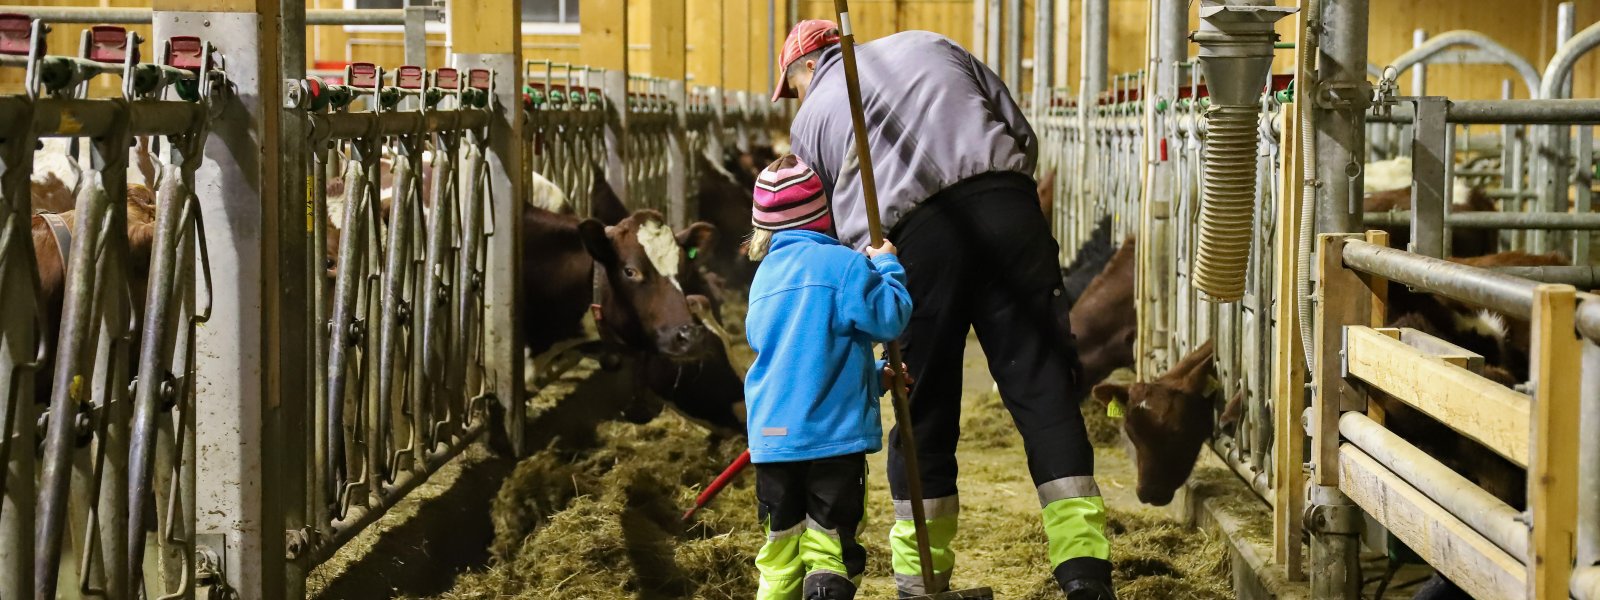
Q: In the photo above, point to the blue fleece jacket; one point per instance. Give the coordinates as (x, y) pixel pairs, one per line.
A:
(816, 308)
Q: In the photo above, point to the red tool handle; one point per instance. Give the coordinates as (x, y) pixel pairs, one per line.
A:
(720, 482)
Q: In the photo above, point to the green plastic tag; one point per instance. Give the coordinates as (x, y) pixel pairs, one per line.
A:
(693, 252)
(1114, 409)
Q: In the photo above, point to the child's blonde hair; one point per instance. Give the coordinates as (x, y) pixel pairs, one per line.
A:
(756, 247)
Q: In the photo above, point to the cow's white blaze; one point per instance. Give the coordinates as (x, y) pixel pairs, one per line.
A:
(1395, 173)
(661, 246)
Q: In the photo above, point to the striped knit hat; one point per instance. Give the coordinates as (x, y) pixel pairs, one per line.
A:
(788, 195)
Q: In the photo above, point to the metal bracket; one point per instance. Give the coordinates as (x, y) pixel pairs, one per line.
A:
(210, 567)
(1342, 95)
(1331, 519)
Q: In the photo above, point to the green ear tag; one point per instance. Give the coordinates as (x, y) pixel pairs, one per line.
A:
(1114, 409)
(693, 252)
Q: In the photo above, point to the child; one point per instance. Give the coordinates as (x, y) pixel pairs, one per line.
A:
(816, 308)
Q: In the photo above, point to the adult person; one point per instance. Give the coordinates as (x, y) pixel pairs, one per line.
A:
(953, 158)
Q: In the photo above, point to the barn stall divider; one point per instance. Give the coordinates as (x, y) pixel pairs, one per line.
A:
(328, 317)
(1260, 352)
(99, 415)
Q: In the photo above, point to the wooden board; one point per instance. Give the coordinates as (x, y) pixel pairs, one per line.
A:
(1342, 299)
(1553, 468)
(605, 34)
(1483, 410)
(1288, 361)
(667, 26)
(1467, 558)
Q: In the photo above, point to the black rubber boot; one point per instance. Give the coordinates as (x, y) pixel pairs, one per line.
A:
(1086, 579)
(828, 586)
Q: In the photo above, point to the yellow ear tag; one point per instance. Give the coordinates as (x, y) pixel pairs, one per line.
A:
(1212, 386)
(1114, 409)
(74, 389)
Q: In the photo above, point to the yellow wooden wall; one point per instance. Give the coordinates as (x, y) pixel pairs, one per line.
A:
(1529, 29)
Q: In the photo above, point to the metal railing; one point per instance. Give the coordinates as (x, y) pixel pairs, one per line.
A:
(565, 136)
(97, 422)
(1492, 547)
(401, 380)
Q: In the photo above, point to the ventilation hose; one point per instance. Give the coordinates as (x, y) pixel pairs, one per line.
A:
(1306, 95)
(1227, 211)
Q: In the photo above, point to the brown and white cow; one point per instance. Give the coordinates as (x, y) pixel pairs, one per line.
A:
(1167, 420)
(1463, 242)
(52, 242)
(627, 274)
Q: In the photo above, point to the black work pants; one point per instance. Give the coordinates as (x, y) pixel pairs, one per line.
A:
(811, 510)
(980, 255)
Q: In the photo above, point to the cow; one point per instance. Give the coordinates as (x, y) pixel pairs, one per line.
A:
(1502, 340)
(725, 203)
(627, 274)
(1104, 320)
(1089, 261)
(52, 243)
(1167, 421)
(1463, 242)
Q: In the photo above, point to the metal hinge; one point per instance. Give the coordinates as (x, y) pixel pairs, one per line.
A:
(1333, 519)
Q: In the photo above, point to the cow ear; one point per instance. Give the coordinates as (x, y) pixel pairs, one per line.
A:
(1111, 392)
(597, 242)
(1198, 381)
(698, 239)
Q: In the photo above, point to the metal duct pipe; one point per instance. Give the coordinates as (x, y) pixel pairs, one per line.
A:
(1236, 55)
(1503, 293)
(1096, 36)
(1172, 45)
(1482, 512)
(1541, 221)
(1586, 583)
(1013, 39)
(1589, 455)
(1341, 102)
(1044, 39)
(142, 16)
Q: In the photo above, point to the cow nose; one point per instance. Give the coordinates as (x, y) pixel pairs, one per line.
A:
(1154, 497)
(687, 337)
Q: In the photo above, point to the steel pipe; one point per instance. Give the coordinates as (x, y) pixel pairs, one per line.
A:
(53, 117)
(355, 125)
(1586, 583)
(1495, 220)
(1588, 533)
(1512, 296)
(142, 16)
(1507, 112)
(1484, 513)
(1583, 277)
(1437, 44)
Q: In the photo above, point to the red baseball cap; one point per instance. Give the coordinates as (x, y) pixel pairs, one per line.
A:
(806, 37)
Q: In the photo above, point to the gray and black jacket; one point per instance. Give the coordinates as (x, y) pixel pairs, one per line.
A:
(936, 116)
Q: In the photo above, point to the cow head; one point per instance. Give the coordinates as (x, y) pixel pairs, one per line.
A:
(1167, 420)
(642, 305)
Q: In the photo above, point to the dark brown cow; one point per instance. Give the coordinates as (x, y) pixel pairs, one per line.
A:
(1105, 321)
(640, 308)
(725, 202)
(1463, 242)
(1167, 420)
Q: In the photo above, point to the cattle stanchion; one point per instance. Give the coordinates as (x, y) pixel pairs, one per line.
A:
(405, 314)
(902, 403)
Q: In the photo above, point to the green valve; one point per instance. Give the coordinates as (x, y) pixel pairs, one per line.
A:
(1161, 105)
(188, 89)
(1286, 95)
